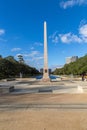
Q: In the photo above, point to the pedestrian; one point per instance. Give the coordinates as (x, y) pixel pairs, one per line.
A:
(82, 77)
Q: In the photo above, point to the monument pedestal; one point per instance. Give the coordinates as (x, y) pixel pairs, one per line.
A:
(46, 79)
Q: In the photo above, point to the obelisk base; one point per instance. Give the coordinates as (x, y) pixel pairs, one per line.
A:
(46, 79)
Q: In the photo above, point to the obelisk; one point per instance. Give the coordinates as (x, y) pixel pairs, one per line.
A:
(45, 69)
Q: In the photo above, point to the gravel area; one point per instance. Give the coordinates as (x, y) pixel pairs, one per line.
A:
(43, 120)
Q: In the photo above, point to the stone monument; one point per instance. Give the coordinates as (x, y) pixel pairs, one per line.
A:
(45, 69)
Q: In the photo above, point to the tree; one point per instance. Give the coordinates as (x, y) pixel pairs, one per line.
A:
(0, 56)
(20, 57)
(77, 68)
(9, 67)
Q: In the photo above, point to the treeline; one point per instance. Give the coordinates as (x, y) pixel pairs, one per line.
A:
(9, 67)
(76, 68)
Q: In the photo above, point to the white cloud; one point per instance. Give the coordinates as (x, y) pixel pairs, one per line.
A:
(84, 39)
(69, 37)
(83, 30)
(2, 31)
(33, 58)
(54, 37)
(53, 67)
(38, 58)
(32, 54)
(15, 49)
(71, 3)
(82, 22)
(55, 40)
(37, 64)
(65, 38)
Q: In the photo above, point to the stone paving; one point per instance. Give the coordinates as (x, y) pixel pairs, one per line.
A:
(43, 120)
(54, 87)
(65, 108)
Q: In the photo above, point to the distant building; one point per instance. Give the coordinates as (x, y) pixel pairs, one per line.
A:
(71, 59)
(41, 71)
(50, 71)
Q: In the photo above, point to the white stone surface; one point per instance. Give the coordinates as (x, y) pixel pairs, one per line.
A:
(45, 70)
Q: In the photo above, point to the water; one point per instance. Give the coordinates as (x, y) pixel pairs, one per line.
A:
(51, 77)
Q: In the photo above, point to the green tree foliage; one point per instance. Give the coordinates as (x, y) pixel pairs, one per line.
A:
(20, 57)
(9, 67)
(76, 68)
(0, 56)
(11, 59)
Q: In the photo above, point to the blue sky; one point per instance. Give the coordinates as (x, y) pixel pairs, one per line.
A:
(21, 29)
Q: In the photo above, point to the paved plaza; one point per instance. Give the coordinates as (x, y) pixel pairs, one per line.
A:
(49, 106)
(36, 86)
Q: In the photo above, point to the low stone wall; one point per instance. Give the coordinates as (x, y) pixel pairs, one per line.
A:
(11, 79)
(4, 89)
